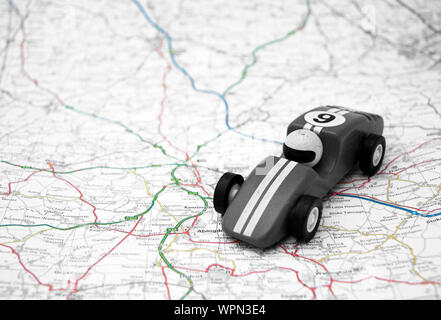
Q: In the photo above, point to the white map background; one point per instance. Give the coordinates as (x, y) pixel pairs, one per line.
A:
(109, 157)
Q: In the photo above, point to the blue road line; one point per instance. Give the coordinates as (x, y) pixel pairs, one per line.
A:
(413, 212)
(192, 82)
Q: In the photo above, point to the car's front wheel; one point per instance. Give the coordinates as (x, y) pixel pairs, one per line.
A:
(372, 154)
(226, 189)
(305, 218)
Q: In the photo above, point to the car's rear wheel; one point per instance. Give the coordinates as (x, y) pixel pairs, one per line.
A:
(372, 154)
(226, 189)
(305, 218)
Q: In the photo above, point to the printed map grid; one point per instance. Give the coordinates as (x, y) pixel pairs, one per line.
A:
(119, 117)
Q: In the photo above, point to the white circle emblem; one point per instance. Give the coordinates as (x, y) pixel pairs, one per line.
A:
(324, 118)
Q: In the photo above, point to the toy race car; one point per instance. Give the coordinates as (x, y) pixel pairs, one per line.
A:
(282, 195)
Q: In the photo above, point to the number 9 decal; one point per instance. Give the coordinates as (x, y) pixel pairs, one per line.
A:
(324, 118)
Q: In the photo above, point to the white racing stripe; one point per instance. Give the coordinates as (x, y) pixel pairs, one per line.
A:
(267, 198)
(307, 126)
(256, 195)
(317, 129)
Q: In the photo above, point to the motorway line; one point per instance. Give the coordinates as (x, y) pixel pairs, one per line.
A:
(413, 212)
(87, 168)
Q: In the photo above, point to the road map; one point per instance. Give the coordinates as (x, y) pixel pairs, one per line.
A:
(119, 117)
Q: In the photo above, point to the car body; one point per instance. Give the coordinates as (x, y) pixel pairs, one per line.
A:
(259, 211)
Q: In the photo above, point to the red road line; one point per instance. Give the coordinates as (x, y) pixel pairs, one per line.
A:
(388, 280)
(36, 83)
(209, 242)
(359, 280)
(197, 174)
(408, 282)
(22, 60)
(78, 190)
(294, 254)
(177, 233)
(75, 290)
(51, 288)
(20, 181)
(414, 165)
(187, 157)
(187, 232)
(166, 282)
(53, 173)
(413, 150)
(14, 252)
(393, 160)
(367, 180)
(87, 271)
(141, 235)
(384, 201)
(233, 274)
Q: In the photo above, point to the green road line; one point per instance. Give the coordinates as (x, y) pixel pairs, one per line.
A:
(155, 197)
(176, 180)
(176, 227)
(87, 168)
(161, 254)
(169, 230)
(198, 148)
(119, 123)
(243, 76)
(264, 45)
(180, 163)
(248, 66)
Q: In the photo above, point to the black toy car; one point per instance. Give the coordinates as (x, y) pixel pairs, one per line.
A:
(282, 195)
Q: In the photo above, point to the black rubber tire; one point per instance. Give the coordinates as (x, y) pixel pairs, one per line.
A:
(367, 153)
(298, 219)
(222, 190)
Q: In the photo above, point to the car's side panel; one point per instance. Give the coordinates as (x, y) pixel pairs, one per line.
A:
(341, 138)
(238, 212)
(258, 213)
(274, 167)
